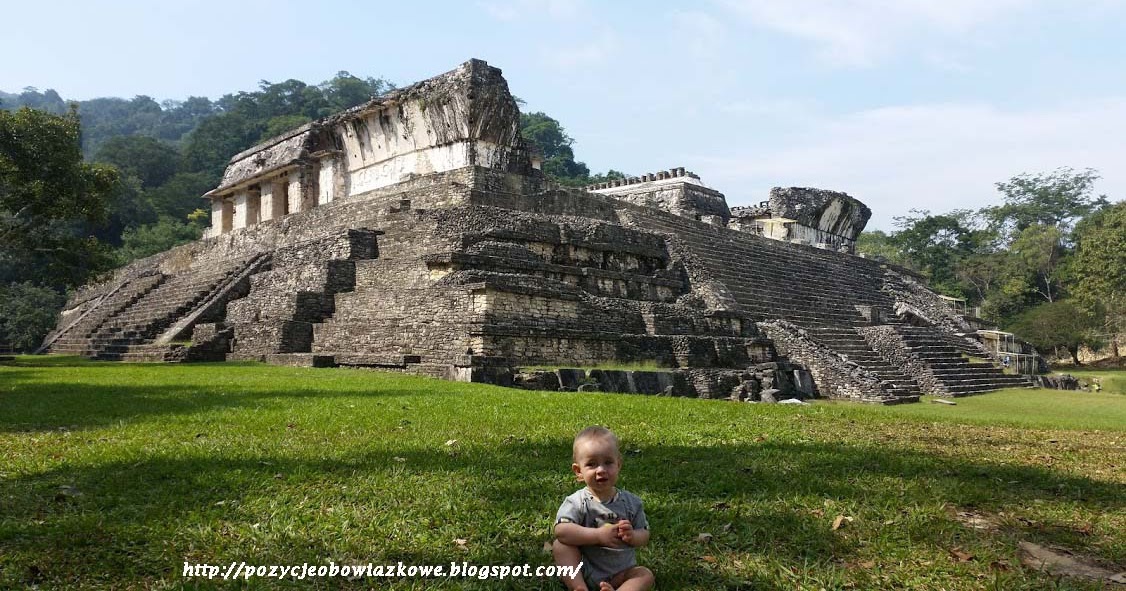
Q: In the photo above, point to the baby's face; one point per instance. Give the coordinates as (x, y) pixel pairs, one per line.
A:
(597, 463)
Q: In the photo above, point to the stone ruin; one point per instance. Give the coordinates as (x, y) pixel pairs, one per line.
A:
(416, 233)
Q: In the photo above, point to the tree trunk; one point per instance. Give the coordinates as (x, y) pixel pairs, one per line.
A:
(1074, 354)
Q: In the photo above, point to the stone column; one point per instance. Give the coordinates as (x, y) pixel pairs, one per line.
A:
(222, 212)
(302, 190)
(246, 208)
(273, 200)
(326, 179)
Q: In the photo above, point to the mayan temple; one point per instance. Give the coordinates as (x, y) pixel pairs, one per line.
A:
(416, 233)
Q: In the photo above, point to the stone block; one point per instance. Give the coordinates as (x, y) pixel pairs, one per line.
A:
(649, 382)
(571, 378)
(610, 380)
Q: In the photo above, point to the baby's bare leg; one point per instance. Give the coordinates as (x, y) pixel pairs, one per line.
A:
(569, 556)
(637, 578)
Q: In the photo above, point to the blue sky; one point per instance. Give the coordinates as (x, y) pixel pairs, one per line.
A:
(901, 103)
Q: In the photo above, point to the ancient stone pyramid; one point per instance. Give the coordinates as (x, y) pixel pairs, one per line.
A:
(416, 233)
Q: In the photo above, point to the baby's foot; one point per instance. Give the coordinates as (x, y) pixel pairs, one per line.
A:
(604, 586)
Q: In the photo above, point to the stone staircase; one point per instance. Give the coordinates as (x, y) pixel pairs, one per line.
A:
(947, 359)
(854, 347)
(75, 339)
(817, 290)
(128, 334)
(801, 284)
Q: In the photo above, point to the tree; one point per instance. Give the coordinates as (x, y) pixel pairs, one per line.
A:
(283, 123)
(211, 145)
(1098, 269)
(151, 239)
(345, 91)
(935, 244)
(49, 199)
(1036, 255)
(1055, 199)
(27, 314)
(1057, 325)
(152, 161)
(548, 136)
(180, 195)
(878, 245)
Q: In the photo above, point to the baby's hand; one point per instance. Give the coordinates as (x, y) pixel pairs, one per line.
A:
(625, 531)
(608, 536)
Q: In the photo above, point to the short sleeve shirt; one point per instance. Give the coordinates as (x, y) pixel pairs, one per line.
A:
(583, 508)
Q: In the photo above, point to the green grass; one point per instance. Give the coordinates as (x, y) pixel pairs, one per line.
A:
(1113, 381)
(115, 474)
(1033, 409)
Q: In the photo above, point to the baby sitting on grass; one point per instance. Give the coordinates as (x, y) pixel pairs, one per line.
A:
(600, 525)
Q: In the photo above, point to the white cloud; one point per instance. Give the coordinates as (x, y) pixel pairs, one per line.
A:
(938, 157)
(862, 33)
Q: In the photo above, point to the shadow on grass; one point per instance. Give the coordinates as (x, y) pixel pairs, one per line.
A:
(146, 517)
(29, 405)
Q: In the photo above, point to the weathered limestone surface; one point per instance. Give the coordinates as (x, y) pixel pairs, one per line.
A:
(465, 117)
(413, 233)
(827, 219)
(675, 191)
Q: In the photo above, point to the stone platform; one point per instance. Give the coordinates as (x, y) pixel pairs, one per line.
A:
(415, 233)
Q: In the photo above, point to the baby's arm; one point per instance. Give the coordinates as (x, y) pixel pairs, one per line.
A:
(574, 534)
(633, 537)
(639, 538)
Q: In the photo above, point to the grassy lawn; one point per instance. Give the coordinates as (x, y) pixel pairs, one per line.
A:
(1112, 380)
(114, 475)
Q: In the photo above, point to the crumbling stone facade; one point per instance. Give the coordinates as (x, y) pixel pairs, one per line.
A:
(415, 233)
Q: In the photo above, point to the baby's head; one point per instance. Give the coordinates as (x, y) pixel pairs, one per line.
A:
(595, 434)
(597, 460)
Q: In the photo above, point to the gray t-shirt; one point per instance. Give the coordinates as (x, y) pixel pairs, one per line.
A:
(583, 508)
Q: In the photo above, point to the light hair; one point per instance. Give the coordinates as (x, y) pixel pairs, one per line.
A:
(593, 432)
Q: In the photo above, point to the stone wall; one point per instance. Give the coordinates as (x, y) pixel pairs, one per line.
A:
(675, 191)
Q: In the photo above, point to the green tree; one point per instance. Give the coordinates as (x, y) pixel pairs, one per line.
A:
(936, 244)
(49, 199)
(1054, 199)
(345, 91)
(152, 161)
(878, 244)
(211, 145)
(1098, 269)
(180, 195)
(27, 314)
(549, 137)
(1057, 325)
(283, 123)
(1037, 253)
(151, 239)
(126, 206)
(984, 273)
